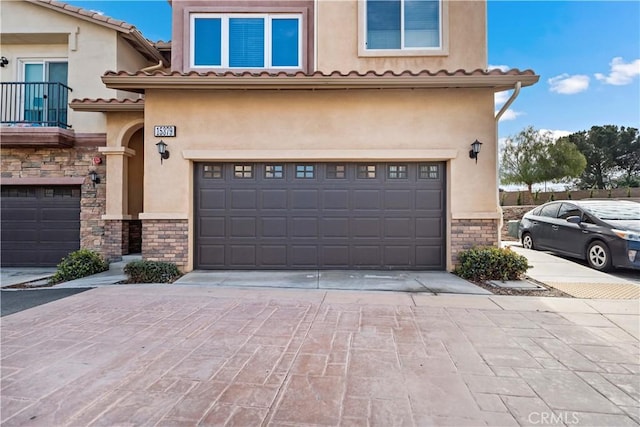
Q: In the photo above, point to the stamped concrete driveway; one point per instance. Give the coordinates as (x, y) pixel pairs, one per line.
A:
(186, 355)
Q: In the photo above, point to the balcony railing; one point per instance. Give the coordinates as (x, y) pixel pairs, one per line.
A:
(34, 104)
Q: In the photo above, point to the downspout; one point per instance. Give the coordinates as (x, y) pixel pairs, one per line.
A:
(158, 66)
(514, 95)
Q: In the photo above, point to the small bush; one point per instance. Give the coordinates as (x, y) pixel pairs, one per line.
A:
(78, 264)
(552, 197)
(490, 263)
(536, 196)
(151, 272)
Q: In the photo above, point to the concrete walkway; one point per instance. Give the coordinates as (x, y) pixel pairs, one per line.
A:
(168, 355)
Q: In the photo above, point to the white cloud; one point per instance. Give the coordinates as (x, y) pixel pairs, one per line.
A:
(501, 97)
(499, 67)
(510, 114)
(621, 73)
(99, 12)
(568, 85)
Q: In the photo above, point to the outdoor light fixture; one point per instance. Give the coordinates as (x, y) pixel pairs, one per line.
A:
(3, 61)
(475, 150)
(162, 149)
(93, 175)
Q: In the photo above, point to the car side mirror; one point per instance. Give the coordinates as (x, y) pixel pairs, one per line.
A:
(574, 219)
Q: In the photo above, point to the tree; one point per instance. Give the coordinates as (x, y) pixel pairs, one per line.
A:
(532, 157)
(611, 153)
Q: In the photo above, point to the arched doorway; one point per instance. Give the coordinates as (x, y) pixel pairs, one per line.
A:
(135, 190)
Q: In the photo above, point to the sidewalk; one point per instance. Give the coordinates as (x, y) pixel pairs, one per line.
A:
(187, 355)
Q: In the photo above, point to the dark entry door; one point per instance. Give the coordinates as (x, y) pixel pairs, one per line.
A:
(320, 215)
(40, 225)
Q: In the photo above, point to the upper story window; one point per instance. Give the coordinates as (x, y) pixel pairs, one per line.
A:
(246, 40)
(403, 27)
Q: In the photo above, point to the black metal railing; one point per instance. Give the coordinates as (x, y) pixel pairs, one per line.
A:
(34, 104)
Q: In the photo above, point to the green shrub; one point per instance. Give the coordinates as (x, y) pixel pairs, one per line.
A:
(78, 264)
(151, 272)
(490, 263)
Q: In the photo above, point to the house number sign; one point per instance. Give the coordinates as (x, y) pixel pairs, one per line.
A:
(164, 131)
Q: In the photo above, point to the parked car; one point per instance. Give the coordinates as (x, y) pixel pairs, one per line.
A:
(606, 233)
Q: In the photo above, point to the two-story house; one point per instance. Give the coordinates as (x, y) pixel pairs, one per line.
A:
(309, 135)
(51, 53)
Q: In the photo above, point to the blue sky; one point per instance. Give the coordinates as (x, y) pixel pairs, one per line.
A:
(587, 54)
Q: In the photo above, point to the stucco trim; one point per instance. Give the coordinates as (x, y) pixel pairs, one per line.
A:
(43, 181)
(162, 215)
(122, 151)
(320, 155)
(115, 217)
(476, 215)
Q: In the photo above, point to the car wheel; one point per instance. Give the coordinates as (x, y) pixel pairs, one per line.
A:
(527, 241)
(599, 256)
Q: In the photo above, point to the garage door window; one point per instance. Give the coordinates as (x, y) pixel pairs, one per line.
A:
(61, 192)
(305, 171)
(212, 171)
(366, 171)
(429, 172)
(18, 192)
(397, 172)
(243, 171)
(274, 171)
(336, 171)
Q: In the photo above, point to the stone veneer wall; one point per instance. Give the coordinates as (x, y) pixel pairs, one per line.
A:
(67, 163)
(166, 240)
(466, 233)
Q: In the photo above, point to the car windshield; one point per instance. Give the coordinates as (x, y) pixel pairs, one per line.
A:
(615, 212)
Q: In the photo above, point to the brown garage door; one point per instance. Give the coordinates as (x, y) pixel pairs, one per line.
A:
(40, 225)
(320, 215)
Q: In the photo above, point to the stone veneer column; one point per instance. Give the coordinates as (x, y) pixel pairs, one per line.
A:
(467, 233)
(116, 239)
(166, 240)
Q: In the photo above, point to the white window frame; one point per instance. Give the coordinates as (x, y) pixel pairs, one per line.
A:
(442, 50)
(224, 48)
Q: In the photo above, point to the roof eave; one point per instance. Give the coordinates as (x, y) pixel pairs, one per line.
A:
(140, 83)
(104, 106)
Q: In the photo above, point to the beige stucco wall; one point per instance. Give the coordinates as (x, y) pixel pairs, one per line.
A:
(90, 49)
(412, 125)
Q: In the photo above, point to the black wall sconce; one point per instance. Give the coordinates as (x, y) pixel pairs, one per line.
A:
(95, 179)
(3, 61)
(475, 150)
(162, 150)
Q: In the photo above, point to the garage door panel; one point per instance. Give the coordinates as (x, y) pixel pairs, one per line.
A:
(243, 255)
(244, 199)
(212, 255)
(336, 199)
(274, 227)
(366, 199)
(243, 227)
(429, 227)
(304, 199)
(17, 214)
(304, 255)
(304, 227)
(335, 227)
(366, 227)
(320, 216)
(58, 236)
(212, 227)
(274, 199)
(213, 199)
(274, 255)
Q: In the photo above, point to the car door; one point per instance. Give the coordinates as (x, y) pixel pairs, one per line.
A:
(544, 221)
(567, 237)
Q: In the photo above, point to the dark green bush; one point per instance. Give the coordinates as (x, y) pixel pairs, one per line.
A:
(151, 272)
(80, 263)
(490, 263)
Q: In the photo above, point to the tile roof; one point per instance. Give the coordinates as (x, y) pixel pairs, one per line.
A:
(111, 104)
(210, 80)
